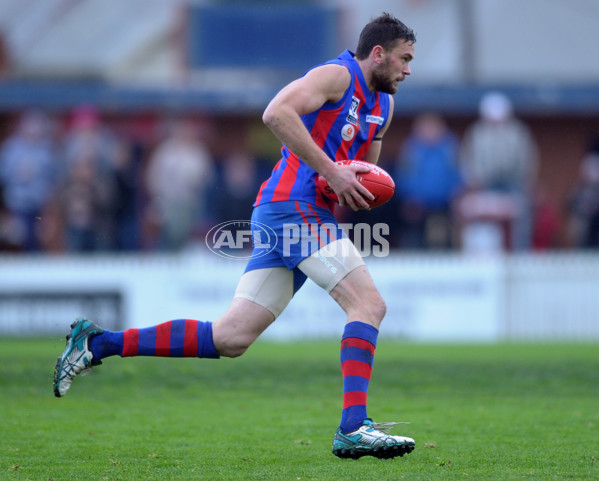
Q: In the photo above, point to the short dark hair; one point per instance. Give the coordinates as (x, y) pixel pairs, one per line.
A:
(383, 30)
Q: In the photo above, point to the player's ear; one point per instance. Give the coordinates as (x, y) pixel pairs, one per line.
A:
(377, 54)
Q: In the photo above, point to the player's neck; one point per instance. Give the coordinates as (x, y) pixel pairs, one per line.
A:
(366, 73)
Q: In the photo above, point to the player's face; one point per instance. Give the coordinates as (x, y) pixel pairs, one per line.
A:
(393, 67)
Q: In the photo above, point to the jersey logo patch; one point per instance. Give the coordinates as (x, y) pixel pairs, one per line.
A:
(352, 116)
(348, 131)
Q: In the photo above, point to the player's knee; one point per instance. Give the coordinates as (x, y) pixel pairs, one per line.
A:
(378, 309)
(375, 309)
(233, 347)
(382, 309)
(232, 351)
(371, 310)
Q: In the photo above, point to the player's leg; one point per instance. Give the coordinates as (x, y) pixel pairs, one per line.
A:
(261, 296)
(87, 344)
(240, 326)
(365, 309)
(339, 268)
(265, 288)
(263, 292)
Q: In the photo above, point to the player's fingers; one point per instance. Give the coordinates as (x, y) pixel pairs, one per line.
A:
(360, 202)
(365, 192)
(360, 168)
(348, 201)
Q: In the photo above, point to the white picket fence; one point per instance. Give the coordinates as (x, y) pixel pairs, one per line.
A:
(552, 297)
(434, 297)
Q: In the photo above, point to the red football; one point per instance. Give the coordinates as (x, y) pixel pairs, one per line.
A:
(377, 181)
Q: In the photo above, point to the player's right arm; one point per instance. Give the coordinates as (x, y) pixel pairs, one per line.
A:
(307, 94)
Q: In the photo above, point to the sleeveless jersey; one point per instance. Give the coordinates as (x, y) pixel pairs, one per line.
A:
(344, 130)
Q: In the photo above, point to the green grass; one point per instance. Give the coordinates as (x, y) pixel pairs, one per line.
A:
(496, 412)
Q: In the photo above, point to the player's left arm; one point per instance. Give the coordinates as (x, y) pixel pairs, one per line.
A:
(374, 150)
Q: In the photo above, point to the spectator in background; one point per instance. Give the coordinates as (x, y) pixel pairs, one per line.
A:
(235, 191)
(11, 230)
(28, 170)
(427, 178)
(127, 196)
(499, 161)
(90, 141)
(81, 200)
(583, 228)
(5, 60)
(547, 220)
(179, 172)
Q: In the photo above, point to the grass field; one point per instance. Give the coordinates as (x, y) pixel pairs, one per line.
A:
(496, 412)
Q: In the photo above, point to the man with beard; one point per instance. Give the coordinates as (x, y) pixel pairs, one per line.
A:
(338, 110)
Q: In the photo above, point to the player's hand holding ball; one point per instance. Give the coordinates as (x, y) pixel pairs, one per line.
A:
(375, 179)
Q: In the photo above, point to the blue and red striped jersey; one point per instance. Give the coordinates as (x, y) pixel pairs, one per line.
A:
(344, 130)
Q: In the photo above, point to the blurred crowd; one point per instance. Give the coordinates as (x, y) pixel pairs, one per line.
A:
(82, 185)
(482, 192)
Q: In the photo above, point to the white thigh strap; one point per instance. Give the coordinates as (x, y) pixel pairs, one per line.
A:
(331, 263)
(271, 288)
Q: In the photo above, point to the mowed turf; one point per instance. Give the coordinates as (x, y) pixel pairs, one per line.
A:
(492, 412)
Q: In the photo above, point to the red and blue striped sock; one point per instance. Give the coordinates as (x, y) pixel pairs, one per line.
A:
(178, 338)
(357, 355)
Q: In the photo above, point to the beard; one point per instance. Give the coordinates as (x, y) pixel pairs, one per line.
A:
(381, 79)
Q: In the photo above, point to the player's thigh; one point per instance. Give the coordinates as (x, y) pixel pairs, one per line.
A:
(339, 269)
(261, 296)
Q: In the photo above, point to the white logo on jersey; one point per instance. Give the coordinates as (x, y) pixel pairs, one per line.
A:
(352, 116)
(375, 119)
(348, 131)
